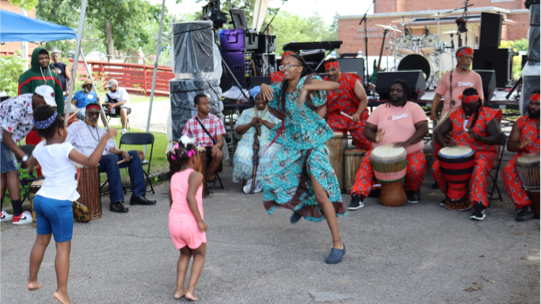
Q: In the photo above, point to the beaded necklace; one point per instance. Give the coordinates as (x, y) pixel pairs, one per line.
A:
(97, 133)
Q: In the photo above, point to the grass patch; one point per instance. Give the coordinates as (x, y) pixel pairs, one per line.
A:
(141, 98)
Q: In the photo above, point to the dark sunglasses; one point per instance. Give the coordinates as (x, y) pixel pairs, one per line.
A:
(93, 113)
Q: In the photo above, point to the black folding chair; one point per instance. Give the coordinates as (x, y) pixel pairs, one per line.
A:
(27, 149)
(495, 172)
(138, 139)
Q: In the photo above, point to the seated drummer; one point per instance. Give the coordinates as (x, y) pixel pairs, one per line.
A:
(85, 136)
(393, 122)
(477, 127)
(208, 131)
(524, 139)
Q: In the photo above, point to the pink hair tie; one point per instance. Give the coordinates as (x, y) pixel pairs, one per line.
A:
(191, 153)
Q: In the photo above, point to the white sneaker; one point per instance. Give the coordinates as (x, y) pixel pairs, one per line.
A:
(123, 131)
(258, 188)
(246, 189)
(4, 217)
(24, 218)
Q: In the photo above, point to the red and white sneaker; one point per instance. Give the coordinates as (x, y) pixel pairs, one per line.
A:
(23, 218)
(4, 217)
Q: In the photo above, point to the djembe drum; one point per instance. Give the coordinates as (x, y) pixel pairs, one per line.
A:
(336, 147)
(89, 189)
(203, 167)
(352, 160)
(34, 188)
(390, 167)
(456, 165)
(528, 172)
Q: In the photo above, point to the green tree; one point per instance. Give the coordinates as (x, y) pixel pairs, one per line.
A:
(125, 25)
(27, 5)
(11, 67)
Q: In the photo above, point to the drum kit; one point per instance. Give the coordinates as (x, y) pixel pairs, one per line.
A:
(417, 53)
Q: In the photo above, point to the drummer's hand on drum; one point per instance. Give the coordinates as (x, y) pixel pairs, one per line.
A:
(267, 92)
(524, 142)
(403, 144)
(379, 135)
(356, 117)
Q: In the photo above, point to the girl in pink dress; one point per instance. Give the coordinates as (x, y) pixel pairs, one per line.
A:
(186, 224)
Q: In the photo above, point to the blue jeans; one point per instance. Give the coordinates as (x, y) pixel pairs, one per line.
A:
(108, 163)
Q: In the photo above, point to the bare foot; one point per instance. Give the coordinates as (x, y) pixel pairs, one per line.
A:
(179, 293)
(33, 286)
(62, 298)
(190, 296)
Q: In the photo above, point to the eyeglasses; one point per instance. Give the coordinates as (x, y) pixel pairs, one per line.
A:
(93, 113)
(289, 66)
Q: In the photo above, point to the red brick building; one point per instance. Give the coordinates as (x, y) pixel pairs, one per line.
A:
(15, 46)
(423, 13)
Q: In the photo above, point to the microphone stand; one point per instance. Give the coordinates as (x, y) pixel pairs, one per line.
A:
(267, 29)
(366, 45)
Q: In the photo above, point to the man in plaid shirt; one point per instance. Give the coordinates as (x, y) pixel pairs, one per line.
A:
(215, 128)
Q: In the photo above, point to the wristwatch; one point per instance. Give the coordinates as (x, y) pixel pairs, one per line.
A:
(25, 158)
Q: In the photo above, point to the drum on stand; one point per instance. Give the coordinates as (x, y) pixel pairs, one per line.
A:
(203, 167)
(456, 166)
(430, 43)
(89, 189)
(352, 160)
(404, 45)
(390, 168)
(336, 148)
(528, 171)
(34, 188)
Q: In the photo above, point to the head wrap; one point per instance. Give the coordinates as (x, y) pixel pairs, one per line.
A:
(330, 65)
(44, 124)
(469, 99)
(255, 91)
(535, 97)
(285, 54)
(464, 51)
(92, 105)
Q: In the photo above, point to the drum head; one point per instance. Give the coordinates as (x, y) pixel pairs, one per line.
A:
(388, 154)
(429, 43)
(416, 62)
(528, 160)
(456, 152)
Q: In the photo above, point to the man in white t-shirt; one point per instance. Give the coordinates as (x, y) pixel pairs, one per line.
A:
(117, 102)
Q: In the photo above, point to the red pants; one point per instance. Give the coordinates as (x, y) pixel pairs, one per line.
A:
(415, 174)
(514, 185)
(359, 140)
(484, 162)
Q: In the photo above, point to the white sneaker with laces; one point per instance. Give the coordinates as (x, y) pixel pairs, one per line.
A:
(24, 218)
(5, 216)
(123, 131)
(246, 189)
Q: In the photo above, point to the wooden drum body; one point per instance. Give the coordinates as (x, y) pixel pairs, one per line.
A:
(203, 167)
(336, 148)
(528, 172)
(390, 167)
(34, 188)
(89, 188)
(352, 160)
(456, 165)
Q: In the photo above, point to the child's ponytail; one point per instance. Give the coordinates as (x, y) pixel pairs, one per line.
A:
(180, 154)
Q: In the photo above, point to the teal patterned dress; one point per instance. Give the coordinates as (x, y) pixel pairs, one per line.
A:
(286, 183)
(243, 159)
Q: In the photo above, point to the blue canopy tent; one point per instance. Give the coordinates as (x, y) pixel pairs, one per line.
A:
(15, 28)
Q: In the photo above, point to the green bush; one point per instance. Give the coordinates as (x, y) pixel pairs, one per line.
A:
(11, 67)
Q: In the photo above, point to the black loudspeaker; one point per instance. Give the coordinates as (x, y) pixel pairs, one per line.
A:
(352, 65)
(499, 60)
(490, 31)
(193, 48)
(489, 82)
(414, 78)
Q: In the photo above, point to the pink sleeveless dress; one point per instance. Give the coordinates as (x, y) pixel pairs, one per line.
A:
(182, 224)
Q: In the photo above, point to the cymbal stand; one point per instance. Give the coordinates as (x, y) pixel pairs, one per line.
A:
(453, 52)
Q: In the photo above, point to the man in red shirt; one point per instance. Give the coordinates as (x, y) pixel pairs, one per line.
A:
(524, 139)
(351, 100)
(476, 127)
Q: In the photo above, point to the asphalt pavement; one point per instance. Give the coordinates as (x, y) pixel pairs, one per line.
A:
(416, 253)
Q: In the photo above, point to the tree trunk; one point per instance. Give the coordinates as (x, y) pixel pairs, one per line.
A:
(109, 42)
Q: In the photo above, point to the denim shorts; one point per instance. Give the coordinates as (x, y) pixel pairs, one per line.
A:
(8, 160)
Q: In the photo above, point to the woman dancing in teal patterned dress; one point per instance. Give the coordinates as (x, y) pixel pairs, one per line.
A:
(300, 177)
